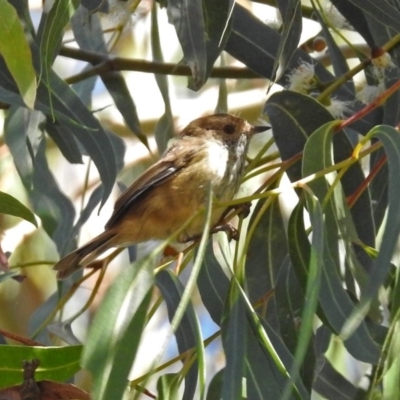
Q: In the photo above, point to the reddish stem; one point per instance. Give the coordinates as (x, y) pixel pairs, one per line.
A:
(370, 107)
(352, 199)
(21, 339)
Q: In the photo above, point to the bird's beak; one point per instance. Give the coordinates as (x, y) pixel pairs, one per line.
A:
(258, 129)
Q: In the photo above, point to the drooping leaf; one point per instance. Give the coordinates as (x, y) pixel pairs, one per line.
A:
(332, 385)
(19, 63)
(264, 377)
(89, 35)
(164, 130)
(391, 142)
(334, 300)
(383, 12)
(118, 326)
(187, 334)
(36, 327)
(256, 45)
(356, 18)
(188, 20)
(65, 141)
(214, 390)
(55, 17)
(57, 99)
(291, 127)
(263, 338)
(53, 207)
(213, 286)
(292, 124)
(262, 381)
(234, 338)
(16, 131)
(168, 387)
(218, 24)
(339, 62)
(290, 35)
(267, 250)
(11, 206)
(290, 300)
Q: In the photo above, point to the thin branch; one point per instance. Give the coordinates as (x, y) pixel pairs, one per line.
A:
(104, 63)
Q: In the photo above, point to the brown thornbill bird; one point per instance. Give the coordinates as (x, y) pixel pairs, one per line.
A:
(210, 151)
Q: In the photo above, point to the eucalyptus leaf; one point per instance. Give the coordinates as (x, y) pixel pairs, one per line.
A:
(384, 12)
(11, 206)
(290, 11)
(188, 330)
(19, 63)
(56, 363)
(118, 326)
(234, 339)
(188, 20)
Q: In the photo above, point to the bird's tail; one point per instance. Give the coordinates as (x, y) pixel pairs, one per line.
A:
(84, 255)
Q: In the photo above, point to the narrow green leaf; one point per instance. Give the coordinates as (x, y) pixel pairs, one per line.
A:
(276, 355)
(116, 330)
(391, 142)
(56, 363)
(392, 365)
(19, 63)
(264, 376)
(215, 387)
(234, 327)
(65, 141)
(188, 20)
(332, 385)
(39, 316)
(255, 44)
(384, 12)
(213, 285)
(290, 11)
(218, 25)
(56, 15)
(335, 304)
(168, 387)
(187, 333)
(334, 300)
(266, 251)
(262, 379)
(339, 62)
(290, 300)
(69, 110)
(53, 207)
(57, 99)
(356, 18)
(294, 117)
(164, 130)
(11, 206)
(17, 127)
(312, 288)
(89, 35)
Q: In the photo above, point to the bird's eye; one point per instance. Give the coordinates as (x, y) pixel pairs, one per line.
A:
(229, 129)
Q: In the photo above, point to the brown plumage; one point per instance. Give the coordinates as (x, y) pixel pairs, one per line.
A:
(210, 150)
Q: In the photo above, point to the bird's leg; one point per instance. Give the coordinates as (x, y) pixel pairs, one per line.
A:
(243, 210)
(230, 230)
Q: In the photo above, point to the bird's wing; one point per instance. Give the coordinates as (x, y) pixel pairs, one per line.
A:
(163, 170)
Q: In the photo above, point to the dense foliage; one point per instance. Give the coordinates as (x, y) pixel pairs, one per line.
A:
(308, 300)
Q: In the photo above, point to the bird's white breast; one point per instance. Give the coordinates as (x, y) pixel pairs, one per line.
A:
(218, 158)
